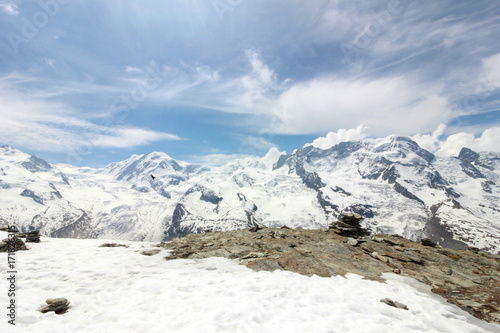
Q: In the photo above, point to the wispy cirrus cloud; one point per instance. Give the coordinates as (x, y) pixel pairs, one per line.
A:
(40, 124)
(176, 67)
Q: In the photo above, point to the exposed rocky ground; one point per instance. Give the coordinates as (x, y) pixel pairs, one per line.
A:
(468, 278)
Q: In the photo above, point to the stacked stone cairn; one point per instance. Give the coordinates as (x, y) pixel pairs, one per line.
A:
(58, 305)
(31, 236)
(7, 228)
(349, 225)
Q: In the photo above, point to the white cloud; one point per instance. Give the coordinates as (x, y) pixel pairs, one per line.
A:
(333, 138)
(47, 126)
(217, 159)
(129, 137)
(386, 105)
(255, 145)
(489, 78)
(430, 142)
(487, 141)
(442, 144)
(9, 7)
(49, 61)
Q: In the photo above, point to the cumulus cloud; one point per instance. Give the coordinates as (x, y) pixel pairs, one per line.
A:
(444, 144)
(389, 105)
(333, 138)
(431, 141)
(486, 141)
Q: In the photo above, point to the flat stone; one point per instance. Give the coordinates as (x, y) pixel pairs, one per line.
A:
(346, 225)
(113, 245)
(394, 303)
(427, 242)
(254, 255)
(393, 243)
(57, 301)
(351, 241)
(150, 252)
(382, 258)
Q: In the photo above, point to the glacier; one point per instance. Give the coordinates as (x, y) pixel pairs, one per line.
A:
(399, 187)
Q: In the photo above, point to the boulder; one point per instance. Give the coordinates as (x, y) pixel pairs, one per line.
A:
(16, 243)
(427, 242)
(394, 303)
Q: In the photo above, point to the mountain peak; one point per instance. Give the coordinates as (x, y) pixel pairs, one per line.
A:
(467, 155)
(155, 155)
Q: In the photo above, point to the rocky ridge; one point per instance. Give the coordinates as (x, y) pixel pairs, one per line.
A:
(467, 278)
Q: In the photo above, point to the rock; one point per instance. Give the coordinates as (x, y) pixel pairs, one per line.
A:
(8, 228)
(427, 242)
(58, 305)
(254, 255)
(113, 245)
(473, 249)
(449, 272)
(393, 243)
(348, 225)
(33, 236)
(365, 239)
(150, 252)
(394, 303)
(490, 255)
(256, 228)
(352, 242)
(12, 243)
(382, 258)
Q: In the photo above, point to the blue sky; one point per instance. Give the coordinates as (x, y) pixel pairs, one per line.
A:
(92, 82)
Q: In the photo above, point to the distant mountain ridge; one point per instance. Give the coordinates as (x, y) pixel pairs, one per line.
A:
(395, 184)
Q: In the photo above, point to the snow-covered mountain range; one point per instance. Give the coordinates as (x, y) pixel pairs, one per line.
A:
(395, 184)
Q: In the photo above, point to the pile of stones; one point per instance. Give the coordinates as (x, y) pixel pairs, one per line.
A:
(349, 225)
(58, 305)
(113, 245)
(12, 243)
(31, 237)
(7, 228)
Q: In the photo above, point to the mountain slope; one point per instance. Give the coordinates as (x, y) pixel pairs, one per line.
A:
(395, 184)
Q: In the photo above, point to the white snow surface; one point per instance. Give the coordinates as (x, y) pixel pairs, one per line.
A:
(120, 290)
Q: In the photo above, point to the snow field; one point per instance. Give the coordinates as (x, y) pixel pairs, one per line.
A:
(120, 290)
